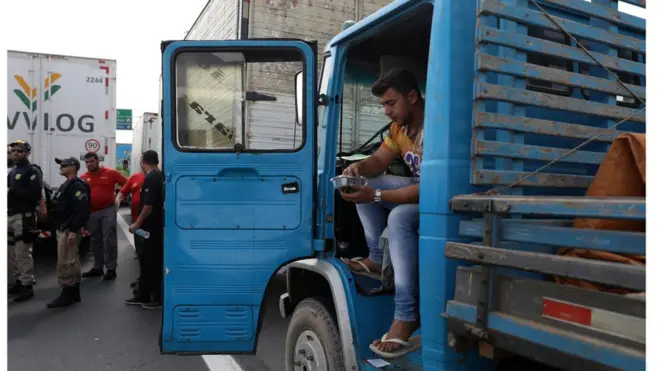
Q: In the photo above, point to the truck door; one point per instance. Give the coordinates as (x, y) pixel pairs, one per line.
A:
(238, 204)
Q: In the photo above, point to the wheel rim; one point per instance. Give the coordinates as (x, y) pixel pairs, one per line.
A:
(309, 354)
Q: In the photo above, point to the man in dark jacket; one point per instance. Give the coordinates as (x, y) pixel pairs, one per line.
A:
(71, 211)
(24, 187)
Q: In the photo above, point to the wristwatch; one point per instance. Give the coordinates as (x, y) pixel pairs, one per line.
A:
(377, 197)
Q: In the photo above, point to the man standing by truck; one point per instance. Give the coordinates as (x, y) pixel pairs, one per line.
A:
(149, 294)
(133, 187)
(24, 187)
(71, 211)
(102, 225)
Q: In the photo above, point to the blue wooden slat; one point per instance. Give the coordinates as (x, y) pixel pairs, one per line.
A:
(536, 18)
(627, 276)
(544, 127)
(520, 96)
(631, 208)
(532, 44)
(601, 12)
(516, 231)
(528, 70)
(506, 177)
(601, 352)
(528, 152)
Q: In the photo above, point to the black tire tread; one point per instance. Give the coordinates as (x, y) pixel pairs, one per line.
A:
(313, 314)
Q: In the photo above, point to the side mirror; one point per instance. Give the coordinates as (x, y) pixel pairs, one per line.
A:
(300, 101)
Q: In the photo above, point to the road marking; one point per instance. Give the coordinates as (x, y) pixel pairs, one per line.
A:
(213, 362)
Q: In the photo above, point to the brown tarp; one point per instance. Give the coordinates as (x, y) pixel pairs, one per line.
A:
(621, 174)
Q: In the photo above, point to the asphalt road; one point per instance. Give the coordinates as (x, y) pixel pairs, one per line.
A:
(102, 333)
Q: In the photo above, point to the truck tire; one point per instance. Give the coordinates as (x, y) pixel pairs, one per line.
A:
(312, 339)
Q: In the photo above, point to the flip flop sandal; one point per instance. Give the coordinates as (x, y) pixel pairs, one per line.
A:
(413, 343)
(366, 272)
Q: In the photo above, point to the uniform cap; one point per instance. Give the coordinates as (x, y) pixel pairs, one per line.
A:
(21, 143)
(68, 161)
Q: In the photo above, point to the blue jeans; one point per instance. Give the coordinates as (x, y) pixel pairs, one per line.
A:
(402, 223)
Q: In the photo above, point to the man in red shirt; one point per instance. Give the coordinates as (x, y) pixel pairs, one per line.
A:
(134, 187)
(102, 224)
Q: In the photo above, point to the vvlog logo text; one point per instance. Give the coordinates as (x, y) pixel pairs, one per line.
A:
(64, 122)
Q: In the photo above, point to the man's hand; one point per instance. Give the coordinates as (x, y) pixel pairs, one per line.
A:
(353, 169)
(359, 194)
(72, 238)
(132, 228)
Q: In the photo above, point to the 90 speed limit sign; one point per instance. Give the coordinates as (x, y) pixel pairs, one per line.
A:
(92, 145)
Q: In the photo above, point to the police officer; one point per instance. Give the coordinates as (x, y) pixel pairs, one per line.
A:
(70, 213)
(24, 187)
(10, 160)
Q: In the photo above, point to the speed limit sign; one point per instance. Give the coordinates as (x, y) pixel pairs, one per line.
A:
(92, 145)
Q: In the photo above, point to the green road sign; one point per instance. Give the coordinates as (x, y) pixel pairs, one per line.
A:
(124, 119)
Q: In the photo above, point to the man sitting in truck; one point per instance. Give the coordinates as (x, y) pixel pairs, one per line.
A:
(393, 202)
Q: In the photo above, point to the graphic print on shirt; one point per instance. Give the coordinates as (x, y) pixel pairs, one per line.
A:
(398, 141)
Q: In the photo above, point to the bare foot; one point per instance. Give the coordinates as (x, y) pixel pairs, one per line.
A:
(400, 330)
(356, 267)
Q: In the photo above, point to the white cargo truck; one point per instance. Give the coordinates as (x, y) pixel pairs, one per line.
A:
(63, 106)
(272, 122)
(147, 134)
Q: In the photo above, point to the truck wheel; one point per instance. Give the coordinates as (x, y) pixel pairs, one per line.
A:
(312, 340)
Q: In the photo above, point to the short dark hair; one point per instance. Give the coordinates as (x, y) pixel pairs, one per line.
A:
(89, 155)
(125, 162)
(400, 80)
(150, 157)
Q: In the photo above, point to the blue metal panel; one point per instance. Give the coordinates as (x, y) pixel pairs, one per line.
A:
(531, 44)
(523, 231)
(449, 100)
(598, 351)
(369, 25)
(221, 248)
(536, 18)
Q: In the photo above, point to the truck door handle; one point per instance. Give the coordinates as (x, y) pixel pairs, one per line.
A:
(290, 188)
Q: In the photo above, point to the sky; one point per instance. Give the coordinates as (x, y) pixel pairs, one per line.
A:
(127, 31)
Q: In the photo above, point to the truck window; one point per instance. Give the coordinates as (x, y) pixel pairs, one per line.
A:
(361, 112)
(228, 99)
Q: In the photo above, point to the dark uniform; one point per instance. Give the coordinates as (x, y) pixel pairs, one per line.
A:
(24, 185)
(71, 207)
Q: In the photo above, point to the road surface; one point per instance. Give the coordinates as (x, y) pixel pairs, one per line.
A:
(102, 333)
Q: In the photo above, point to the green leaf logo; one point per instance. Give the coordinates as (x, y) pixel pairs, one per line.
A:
(28, 94)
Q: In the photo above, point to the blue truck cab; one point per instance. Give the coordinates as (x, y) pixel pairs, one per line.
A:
(524, 96)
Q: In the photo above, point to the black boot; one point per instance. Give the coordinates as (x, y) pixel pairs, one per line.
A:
(76, 293)
(25, 293)
(110, 275)
(66, 298)
(15, 288)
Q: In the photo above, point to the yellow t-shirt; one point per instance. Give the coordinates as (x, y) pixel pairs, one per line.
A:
(409, 149)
